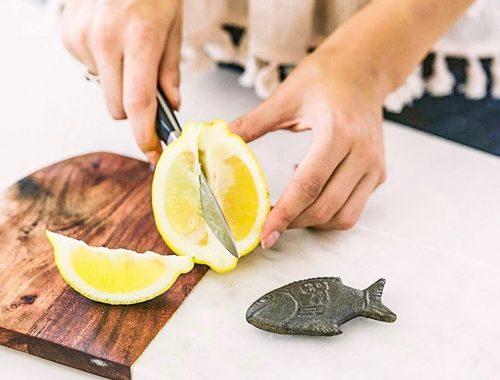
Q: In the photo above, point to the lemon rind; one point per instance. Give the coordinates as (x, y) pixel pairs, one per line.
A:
(165, 228)
(180, 247)
(61, 243)
(265, 207)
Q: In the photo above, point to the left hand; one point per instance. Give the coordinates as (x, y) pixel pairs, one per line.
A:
(133, 46)
(339, 97)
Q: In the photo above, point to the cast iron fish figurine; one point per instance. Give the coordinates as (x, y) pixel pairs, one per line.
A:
(317, 306)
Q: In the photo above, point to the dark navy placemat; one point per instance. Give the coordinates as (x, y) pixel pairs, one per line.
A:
(475, 123)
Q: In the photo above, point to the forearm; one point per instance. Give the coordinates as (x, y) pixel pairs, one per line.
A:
(389, 37)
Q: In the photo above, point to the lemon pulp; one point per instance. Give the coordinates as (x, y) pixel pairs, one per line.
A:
(115, 276)
(236, 180)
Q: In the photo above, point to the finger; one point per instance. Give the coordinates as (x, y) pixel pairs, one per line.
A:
(349, 214)
(76, 44)
(307, 184)
(169, 66)
(140, 76)
(108, 57)
(75, 33)
(270, 115)
(335, 194)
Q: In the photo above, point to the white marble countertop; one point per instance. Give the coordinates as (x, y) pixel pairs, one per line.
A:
(432, 231)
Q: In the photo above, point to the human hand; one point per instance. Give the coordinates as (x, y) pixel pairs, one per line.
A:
(338, 97)
(132, 45)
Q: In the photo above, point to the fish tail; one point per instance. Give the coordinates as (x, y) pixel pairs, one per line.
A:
(374, 308)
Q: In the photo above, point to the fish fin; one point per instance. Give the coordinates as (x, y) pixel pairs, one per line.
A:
(334, 330)
(375, 309)
(319, 329)
(334, 279)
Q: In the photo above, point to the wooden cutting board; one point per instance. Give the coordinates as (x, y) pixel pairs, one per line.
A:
(103, 199)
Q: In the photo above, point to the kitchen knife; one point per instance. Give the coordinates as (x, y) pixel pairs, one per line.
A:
(169, 129)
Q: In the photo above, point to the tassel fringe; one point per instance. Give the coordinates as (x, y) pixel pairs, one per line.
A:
(413, 89)
(442, 81)
(495, 76)
(267, 80)
(252, 66)
(476, 82)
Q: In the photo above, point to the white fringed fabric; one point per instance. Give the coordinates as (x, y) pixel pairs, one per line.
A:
(476, 36)
(281, 32)
(442, 81)
(405, 95)
(476, 80)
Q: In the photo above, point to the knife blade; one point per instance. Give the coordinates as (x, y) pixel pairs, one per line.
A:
(214, 216)
(168, 129)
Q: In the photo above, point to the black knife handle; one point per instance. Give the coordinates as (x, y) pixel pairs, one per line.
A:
(167, 125)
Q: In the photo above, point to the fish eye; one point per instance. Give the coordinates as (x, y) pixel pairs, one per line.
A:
(266, 298)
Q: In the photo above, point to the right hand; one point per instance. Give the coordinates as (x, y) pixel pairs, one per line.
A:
(338, 95)
(132, 45)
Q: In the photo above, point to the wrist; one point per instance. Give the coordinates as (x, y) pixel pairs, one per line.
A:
(362, 69)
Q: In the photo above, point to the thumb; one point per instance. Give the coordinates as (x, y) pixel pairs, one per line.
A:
(266, 117)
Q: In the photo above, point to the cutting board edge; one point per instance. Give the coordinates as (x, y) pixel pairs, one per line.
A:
(93, 169)
(57, 353)
(97, 154)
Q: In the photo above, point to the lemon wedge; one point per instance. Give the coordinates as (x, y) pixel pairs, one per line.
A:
(236, 180)
(115, 276)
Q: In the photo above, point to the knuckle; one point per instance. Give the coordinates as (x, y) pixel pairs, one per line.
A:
(310, 190)
(345, 131)
(104, 30)
(143, 29)
(138, 102)
(346, 220)
(347, 127)
(366, 146)
(323, 214)
(369, 154)
(285, 218)
(103, 37)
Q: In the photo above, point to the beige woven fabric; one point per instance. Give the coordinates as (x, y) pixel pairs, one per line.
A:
(281, 32)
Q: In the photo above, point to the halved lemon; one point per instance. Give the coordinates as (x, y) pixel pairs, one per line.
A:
(236, 180)
(115, 276)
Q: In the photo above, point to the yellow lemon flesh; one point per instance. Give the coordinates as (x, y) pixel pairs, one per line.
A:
(115, 276)
(236, 180)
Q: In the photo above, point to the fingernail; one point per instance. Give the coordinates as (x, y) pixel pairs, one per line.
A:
(153, 157)
(270, 240)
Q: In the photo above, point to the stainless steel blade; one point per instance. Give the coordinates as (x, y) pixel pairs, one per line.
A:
(214, 217)
(169, 130)
(211, 211)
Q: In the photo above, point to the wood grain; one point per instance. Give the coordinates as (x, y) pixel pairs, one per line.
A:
(103, 199)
